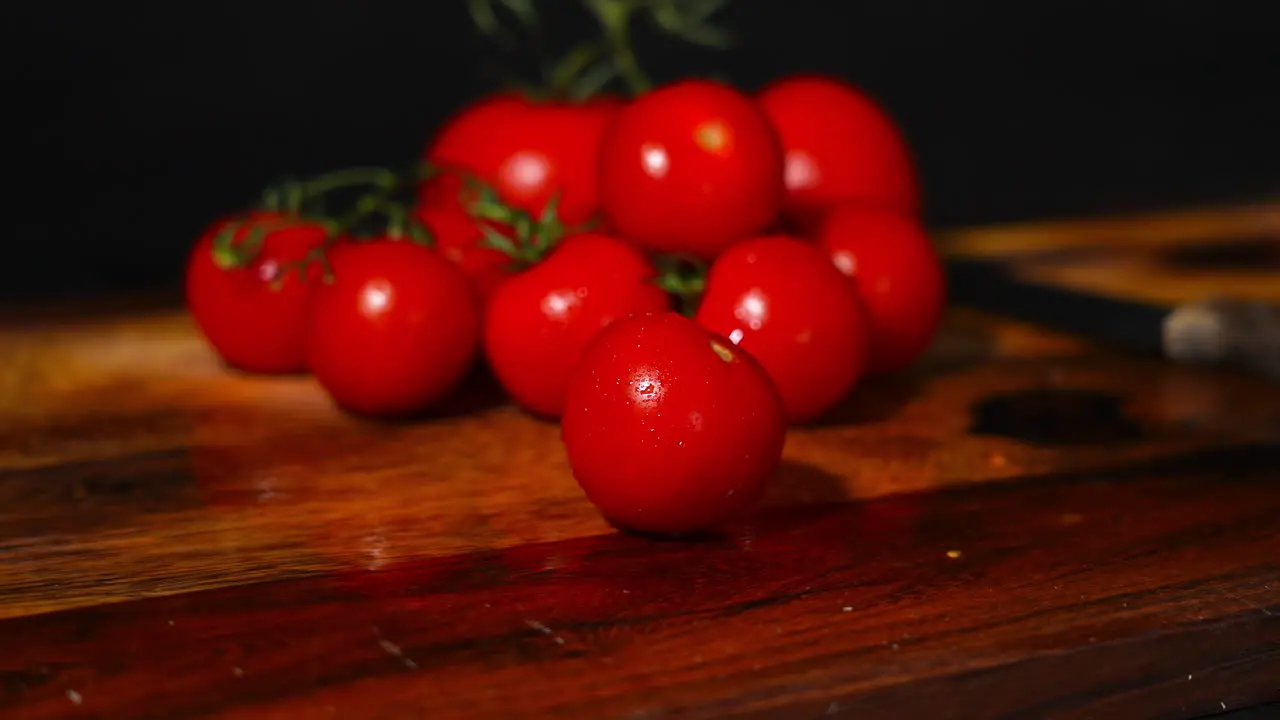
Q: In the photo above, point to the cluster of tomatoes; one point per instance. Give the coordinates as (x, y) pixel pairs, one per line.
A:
(676, 278)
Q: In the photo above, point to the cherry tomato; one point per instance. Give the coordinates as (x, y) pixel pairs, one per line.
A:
(840, 146)
(780, 299)
(255, 316)
(395, 331)
(527, 150)
(458, 237)
(669, 428)
(898, 274)
(691, 167)
(538, 322)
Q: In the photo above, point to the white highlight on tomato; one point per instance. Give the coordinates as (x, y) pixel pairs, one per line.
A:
(374, 298)
(752, 308)
(800, 171)
(526, 169)
(846, 263)
(557, 305)
(654, 160)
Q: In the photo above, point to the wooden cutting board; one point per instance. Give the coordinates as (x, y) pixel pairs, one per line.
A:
(1023, 525)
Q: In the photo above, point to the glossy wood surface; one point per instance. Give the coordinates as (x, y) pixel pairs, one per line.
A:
(1022, 526)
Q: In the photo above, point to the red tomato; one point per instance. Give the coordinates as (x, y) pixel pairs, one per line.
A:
(527, 151)
(254, 322)
(395, 331)
(840, 146)
(899, 276)
(780, 299)
(458, 238)
(691, 167)
(669, 428)
(537, 323)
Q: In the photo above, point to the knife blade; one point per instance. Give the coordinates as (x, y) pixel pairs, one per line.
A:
(1211, 331)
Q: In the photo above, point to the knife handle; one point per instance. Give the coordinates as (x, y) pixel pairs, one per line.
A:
(1225, 331)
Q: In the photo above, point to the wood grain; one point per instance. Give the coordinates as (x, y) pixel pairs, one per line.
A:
(1165, 258)
(1023, 525)
(1144, 589)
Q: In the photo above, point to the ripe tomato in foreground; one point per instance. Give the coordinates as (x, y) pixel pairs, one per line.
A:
(395, 331)
(668, 428)
(538, 322)
(691, 167)
(840, 146)
(527, 150)
(780, 299)
(255, 316)
(899, 276)
(458, 237)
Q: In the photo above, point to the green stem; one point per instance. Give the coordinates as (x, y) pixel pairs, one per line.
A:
(396, 220)
(615, 18)
(284, 197)
(293, 198)
(485, 19)
(562, 78)
(376, 176)
(271, 200)
(392, 212)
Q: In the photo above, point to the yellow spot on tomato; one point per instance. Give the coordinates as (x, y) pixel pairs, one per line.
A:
(725, 353)
(714, 136)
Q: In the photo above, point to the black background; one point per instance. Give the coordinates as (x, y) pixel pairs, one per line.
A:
(140, 122)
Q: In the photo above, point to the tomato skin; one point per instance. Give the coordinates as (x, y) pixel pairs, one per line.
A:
(250, 324)
(395, 331)
(899, 276)
(458, 237)
(778, 298)
(537, 323)
(527, 150)
(668, 428)
(690, 167)
(840, 146)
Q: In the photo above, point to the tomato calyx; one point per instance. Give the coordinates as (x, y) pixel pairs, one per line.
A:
(530, 239)
(684, 277)
(239, 240)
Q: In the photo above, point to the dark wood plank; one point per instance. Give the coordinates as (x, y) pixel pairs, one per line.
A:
(1148, 589)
